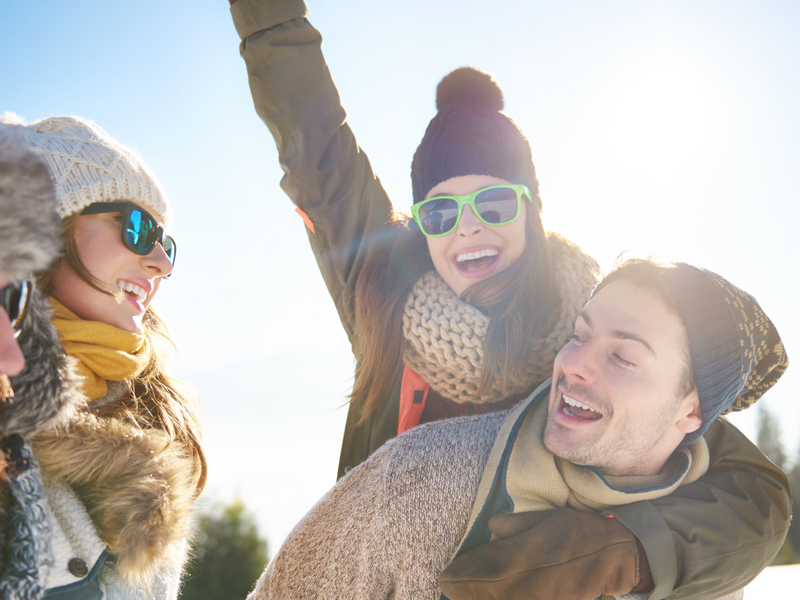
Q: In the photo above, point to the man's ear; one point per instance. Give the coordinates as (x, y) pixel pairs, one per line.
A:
(689, 416)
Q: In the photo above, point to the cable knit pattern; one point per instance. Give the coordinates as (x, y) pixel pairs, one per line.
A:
(444, 335)
(73, 534)
(87, 165)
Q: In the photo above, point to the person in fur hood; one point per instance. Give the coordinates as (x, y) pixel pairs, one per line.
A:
(40, 388)
(122, 476)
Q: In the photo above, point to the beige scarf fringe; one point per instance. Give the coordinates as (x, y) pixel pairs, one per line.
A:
(444, 335)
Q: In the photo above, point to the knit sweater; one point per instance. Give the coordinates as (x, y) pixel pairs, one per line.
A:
(392, 525)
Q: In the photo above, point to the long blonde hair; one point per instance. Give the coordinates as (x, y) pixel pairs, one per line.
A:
(155, 400)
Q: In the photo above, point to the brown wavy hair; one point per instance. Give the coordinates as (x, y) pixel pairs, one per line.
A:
(155, 399)
(521, 301)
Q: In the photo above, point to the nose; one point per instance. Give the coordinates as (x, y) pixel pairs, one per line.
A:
(578, 363)
(11, 359)
(157, 261)
(469, 223)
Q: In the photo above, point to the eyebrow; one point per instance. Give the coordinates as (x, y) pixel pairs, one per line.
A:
(618, 333)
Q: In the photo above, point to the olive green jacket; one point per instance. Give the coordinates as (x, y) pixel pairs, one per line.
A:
(724, 528)
(326, 173)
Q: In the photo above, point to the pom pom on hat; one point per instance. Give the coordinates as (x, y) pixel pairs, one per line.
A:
(470, 136)
(470, 87)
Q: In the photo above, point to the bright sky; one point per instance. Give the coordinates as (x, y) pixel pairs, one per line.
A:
(658, 127)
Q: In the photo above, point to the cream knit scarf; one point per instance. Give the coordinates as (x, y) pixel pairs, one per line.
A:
(536, 479)
(444, 335)
(531, 478)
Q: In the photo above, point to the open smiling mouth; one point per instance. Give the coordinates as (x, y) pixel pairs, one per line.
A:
(578, 410)
(477, 261)
(132, 290)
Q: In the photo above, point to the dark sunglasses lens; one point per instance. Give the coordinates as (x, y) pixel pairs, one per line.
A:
(438, 215)
(169, 248)
(497, 205)
(15, 299)
(139, 232)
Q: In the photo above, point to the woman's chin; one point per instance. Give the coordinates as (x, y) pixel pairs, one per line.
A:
(459, 280)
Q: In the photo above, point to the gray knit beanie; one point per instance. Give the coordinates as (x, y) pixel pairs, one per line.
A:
(30, 229)
(470, 136)
(88, 166)
(736, 351)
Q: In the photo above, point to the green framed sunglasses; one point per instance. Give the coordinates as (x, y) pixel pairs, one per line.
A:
(140, 231)
(493, 205)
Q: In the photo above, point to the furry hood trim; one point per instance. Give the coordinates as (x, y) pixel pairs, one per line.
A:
(30, 229)
(136, 485)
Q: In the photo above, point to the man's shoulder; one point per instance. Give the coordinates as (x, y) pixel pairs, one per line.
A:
(459, 426)
(461, 443)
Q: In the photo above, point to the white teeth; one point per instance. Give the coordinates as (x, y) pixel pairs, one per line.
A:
(127, 286)
(478, 254)
(573, 402)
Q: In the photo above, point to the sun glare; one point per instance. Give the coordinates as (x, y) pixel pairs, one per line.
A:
(661, 119)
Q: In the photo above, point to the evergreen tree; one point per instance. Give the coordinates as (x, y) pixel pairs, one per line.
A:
(229, 556)
(769, 437)
(794, 529)
(769, 441)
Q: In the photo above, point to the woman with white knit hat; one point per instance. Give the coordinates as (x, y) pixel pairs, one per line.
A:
(122, 478)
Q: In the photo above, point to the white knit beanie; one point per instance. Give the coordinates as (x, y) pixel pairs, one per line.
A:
(87, 165)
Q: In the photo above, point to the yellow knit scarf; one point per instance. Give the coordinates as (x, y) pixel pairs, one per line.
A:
(105, 353)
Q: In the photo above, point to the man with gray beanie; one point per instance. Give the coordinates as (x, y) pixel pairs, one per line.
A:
(39, 387)
(658, 354)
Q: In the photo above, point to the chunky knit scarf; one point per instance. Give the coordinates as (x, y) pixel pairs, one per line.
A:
(105, 352)
(444, 335)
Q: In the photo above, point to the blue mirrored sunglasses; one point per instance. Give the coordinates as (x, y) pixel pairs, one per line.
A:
(493, 205)
(140, 231)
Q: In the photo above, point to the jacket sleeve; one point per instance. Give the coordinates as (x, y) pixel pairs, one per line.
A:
(713, 536)
(326, 174)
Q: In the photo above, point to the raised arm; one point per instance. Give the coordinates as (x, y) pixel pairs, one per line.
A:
(714, 536)
(326, 174)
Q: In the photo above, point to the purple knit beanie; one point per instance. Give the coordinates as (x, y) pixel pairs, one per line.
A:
(470, 136)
